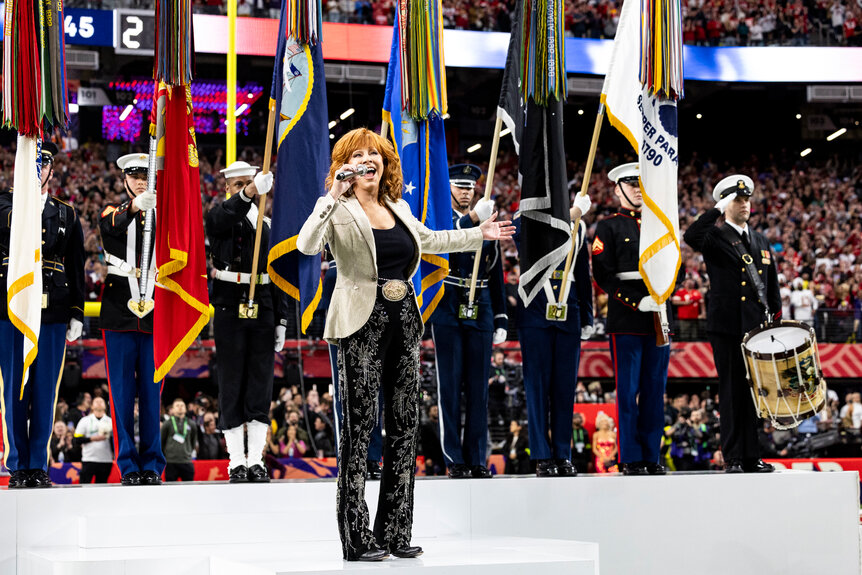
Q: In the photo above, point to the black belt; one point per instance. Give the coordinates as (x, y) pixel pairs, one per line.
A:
(46, 265)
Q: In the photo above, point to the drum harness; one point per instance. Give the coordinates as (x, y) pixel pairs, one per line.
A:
(736, 241)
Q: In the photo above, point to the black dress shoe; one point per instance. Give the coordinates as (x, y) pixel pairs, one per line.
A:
(479, 472)
(733, 466)
(459, 471)
(407, 552)
(546, 468)
(636, 468)
(18, 479)
(565, 468)
(373, 554)
(374, 470)
(132, 478)
(39, 478)
(656, 469)
(150, 477)
(258, 474)
(238, 474)
(758, 466)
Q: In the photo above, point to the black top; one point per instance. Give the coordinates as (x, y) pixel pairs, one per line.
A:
(395, 251)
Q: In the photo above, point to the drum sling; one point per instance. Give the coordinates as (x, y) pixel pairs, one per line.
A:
(735, 240)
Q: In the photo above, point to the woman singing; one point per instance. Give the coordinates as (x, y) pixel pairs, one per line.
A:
(374, 318)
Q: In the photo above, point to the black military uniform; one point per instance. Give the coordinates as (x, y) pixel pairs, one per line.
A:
(734, 308)
(28, 413)
(244, 347)
(463, 346)
(128, 336)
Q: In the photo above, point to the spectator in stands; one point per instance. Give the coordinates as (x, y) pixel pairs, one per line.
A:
(689, 308)
(211, 444)
(81, 409)
(517, 450)
(323, 438)
(289, 443)
(93, 434)
(179, 441)
(63, 447)
(605, 445)
(497, 388)
(292, 418)
(770, 446)
(581, 446)
(430, 441)
(802, 302)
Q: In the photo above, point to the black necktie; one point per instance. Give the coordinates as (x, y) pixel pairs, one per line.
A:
(745, 240)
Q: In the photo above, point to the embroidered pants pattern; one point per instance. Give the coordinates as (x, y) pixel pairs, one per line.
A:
(383, 353)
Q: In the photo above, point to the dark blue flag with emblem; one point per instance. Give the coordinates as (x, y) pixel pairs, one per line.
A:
(531, 105)
(421, 146)
(302, 146)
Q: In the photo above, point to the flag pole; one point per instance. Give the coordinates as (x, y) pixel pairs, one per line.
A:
(250, 310)
(230, 111)
(585, 186)
(489, 185)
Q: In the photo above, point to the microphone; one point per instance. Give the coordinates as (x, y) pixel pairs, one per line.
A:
(359, 171)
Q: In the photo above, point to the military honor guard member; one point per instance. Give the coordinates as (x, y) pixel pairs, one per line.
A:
(744, 293)
(126, 320)
(550, 336)
(28, 414)
(245, 346)
(640, 365)
(463, 341)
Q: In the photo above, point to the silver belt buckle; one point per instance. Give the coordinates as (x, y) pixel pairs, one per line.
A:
(395, 290)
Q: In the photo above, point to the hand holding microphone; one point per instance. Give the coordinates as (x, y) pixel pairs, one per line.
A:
(344, 179)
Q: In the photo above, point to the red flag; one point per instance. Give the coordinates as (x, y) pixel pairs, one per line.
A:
(181, 302)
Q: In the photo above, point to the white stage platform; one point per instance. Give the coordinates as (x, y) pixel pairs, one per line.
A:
(788, 522)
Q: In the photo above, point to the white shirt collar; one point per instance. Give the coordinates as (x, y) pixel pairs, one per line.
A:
(739, 230)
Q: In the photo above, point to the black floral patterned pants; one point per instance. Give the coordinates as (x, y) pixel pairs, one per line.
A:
(384, 352)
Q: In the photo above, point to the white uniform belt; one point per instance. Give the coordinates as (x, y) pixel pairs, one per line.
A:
(464, 282)
(629, 276)
(240, 278)
(120, 267)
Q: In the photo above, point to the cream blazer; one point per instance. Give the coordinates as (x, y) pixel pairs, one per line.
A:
(344, 226)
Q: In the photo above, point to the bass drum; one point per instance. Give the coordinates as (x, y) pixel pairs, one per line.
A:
(783, 368)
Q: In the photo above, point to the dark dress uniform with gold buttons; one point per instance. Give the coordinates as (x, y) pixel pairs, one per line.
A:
(734, 309)
(640, 366)
(463, 353)
(128, 338)
(28, 414)
(551, 352)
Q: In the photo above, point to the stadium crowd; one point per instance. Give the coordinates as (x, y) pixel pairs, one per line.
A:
(705, 22)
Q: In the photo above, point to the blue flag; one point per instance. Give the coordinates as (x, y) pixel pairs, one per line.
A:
(302, 145)
(422, 149)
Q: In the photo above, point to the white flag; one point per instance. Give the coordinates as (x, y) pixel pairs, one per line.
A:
(24, 281)
(650, 125)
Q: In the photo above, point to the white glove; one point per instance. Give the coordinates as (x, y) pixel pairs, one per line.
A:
(583, 203)
(648, 304)
(484, 208)
(280, 332)
(74, 331)
(724, 202)
(263, 183)
(500, 335)
(145, 201)
(587, 332)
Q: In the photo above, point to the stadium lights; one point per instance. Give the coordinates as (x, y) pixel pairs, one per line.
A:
(837, 134)
(135, 101)
(73, 108)
(240, 110)
(473, 148)
(580, 112)
(805, 152)
(699, 116)
(798, 116)
(250, 96)
(331, 136)
(505, 132)
(126, 113)
(346, 113)
(332, 124)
